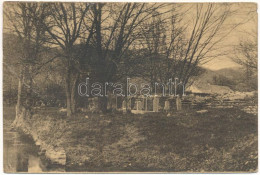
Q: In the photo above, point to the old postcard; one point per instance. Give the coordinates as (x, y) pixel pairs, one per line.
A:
(129, 87)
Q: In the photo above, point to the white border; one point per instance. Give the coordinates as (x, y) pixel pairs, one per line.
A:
(169, 1)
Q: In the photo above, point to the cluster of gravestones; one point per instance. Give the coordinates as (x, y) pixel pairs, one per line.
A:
(139, 104)
(145, 104)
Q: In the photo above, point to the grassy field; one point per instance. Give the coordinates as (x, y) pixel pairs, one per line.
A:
(219, 140)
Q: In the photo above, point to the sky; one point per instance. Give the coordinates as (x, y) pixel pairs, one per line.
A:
(246, 14)
(221, 63)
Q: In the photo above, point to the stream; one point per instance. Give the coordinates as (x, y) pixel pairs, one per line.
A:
(22, 155)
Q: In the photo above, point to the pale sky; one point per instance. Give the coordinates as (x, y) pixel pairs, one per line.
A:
(221, 63)
(241, 15)
(246, 13)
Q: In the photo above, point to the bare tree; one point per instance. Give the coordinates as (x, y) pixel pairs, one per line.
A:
(117, 26)
(176, 44)
(245, 53)
(25, 24)
(207, 32)
(66, 25)
(163, 44)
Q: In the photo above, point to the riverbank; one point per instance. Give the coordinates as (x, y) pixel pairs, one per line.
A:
(21, 154)
(219, 140)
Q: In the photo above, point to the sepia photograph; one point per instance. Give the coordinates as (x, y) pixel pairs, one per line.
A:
(130, 87)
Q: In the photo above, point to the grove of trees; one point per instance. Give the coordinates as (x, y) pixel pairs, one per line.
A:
(63, 42)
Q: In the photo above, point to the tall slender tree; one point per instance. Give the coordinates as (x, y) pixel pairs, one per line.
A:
(25, 25)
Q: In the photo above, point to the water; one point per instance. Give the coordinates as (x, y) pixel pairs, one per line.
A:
(22, 155)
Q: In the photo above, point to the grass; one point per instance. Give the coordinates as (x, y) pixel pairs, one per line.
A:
(219, 140)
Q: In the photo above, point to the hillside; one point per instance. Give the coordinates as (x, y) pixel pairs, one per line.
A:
(219, 81)
(232, 73)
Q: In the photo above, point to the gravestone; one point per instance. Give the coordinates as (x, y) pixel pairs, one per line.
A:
(109, 103)
(149, 104)
(139, 105)
(178, 103)
(113, 103)
(156, 104)
(124, 104)
(129, 102)
(166, 105)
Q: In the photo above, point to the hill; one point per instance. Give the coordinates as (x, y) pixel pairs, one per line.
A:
(219, 81)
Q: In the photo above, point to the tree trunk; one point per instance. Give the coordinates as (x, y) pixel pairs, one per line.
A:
(68, 102)
(68, 95)
(19, 94)
(73, 103)
(71, 87)
(28, 88)
(73, 93)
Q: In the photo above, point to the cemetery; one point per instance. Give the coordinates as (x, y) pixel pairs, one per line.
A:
(140, 104)
(157, 131)
(130, 87)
